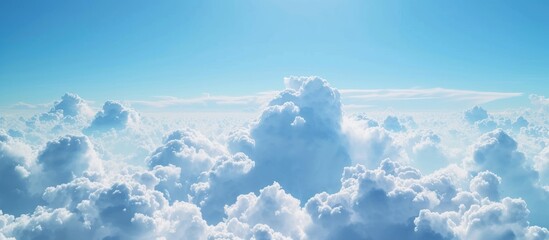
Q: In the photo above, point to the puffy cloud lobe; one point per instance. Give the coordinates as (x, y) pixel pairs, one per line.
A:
(486, 125)
(486, 184)
(264, 232)
(100, 210)
(370, 145)
(240, 141)
(425, 150)
(15, 133)
(274, 208)
(180, 219)
(392, 123)
(195, 188)
(372, 204)
(475, 114)
(488, 220)
(540, 101)
(541, 164)
(63, 159)
(192, 153)
(45, 223)
(15, 197)
(70, 106)
(497, 152)
(366, 120)
(206, 173)
(519, 123)
(298, 139)
(114, 115)
(224, 181)
(395, 201)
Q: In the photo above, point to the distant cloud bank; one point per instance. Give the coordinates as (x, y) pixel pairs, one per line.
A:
(303, 168)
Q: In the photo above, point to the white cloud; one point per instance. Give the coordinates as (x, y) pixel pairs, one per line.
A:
(71, 105)
(254, 100)
(392, 123)
(64, 159)
(355, 99)
(539, 100)
(15, 164)
(312, 152)
(302, 169)
(497, 152)
(273, 208)
(114, 115)
(475, 114)
(476, 97)
(488, 220)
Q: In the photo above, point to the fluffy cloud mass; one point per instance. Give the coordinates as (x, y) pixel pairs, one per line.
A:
(113, 116)
(302, 168)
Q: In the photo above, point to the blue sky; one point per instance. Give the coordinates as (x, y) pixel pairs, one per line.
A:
(136, 50)
(376, 136)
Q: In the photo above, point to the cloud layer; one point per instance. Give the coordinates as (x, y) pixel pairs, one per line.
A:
(302, 169)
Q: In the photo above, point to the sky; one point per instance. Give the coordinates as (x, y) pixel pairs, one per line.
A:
(140, 50)
(274, 120)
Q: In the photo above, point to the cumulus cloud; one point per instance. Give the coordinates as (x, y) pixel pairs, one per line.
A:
(540, 101)
(121, 209)
(487, 220)
(392, 123)
(191, 152)
(347, 213)
(486, 184)
(497, 152)
(274, 208)
(64, 159)
(303, 169)
(371, 145)
(15, 164)
(298, 138)
(395, 201)
(114, 115)
(541, 164)
(475, 114)
(70, 106)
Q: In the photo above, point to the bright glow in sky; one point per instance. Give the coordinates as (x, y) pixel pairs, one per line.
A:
(137, 50)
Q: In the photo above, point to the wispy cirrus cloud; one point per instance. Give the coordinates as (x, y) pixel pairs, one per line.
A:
(353, 99)
(24, 106)
(206, 99)
(477, 97)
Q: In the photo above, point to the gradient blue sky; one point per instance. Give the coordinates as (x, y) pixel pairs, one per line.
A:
(135, 50)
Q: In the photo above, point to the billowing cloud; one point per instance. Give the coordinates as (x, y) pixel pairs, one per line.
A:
(70, 106)
(114, 115)
(274, 208)
(475, 114)
(497, 152)
(392, 123)
(302, 169)
(15, 164)
(487, 220)
(64, 159)
(540, 101)
(298, 138)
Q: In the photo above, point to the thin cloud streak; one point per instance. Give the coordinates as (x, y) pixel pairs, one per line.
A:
(477, 97)
(168, 101)
(354, 95)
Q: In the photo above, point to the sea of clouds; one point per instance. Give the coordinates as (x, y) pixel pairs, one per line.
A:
(302, 168)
